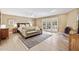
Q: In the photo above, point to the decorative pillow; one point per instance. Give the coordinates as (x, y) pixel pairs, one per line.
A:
(27, 25)
(20, 28)
(22, 25)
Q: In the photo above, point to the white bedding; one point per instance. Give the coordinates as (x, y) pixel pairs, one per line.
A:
(22, 31)
(27, 30)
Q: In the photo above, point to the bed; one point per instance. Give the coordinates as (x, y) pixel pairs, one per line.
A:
(26, 30)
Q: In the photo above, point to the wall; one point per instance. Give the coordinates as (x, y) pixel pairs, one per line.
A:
(0, 17)
(39, 23)
(18, 19)
(72, 19)
(34, 22)
(62, 22)
(68, 19)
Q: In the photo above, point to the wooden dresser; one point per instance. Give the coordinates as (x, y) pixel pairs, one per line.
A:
(74, 42)
(4, 33)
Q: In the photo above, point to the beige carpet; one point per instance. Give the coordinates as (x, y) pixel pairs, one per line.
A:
(31, 42)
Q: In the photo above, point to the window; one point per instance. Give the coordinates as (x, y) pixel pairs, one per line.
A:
(44, 25)
(50, 25)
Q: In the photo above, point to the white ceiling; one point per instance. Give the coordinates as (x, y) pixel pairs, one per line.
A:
(35, 12)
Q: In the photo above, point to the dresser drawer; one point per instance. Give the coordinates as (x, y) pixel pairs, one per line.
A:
(0, 34)
(4, 33)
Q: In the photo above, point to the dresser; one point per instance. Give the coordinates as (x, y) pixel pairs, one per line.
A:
(4, 33)
(74, 42)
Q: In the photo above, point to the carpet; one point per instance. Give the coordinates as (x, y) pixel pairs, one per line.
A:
(33, 41)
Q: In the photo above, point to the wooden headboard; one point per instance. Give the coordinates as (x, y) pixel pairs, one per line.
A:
(18, 24)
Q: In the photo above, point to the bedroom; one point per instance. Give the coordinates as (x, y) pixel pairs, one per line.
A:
(46, 25)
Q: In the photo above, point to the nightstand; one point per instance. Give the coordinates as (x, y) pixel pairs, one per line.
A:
(14, 30)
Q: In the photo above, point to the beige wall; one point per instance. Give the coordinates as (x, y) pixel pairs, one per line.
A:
(5, 19)
(62, 21)
(0, 17)
(68, 19)
(72, 19)
(34, 22)
(39, 23)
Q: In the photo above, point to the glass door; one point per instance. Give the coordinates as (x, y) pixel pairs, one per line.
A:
(54, 25)
(50, 25)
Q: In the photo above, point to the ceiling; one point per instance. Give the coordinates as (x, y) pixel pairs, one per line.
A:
(34, 12)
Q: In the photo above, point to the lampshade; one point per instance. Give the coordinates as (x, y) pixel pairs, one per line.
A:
(15, 25)
(3, 26)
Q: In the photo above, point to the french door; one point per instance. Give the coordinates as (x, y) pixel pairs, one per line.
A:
(50, 25)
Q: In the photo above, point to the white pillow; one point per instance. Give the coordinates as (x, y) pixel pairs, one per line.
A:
(22, 25)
